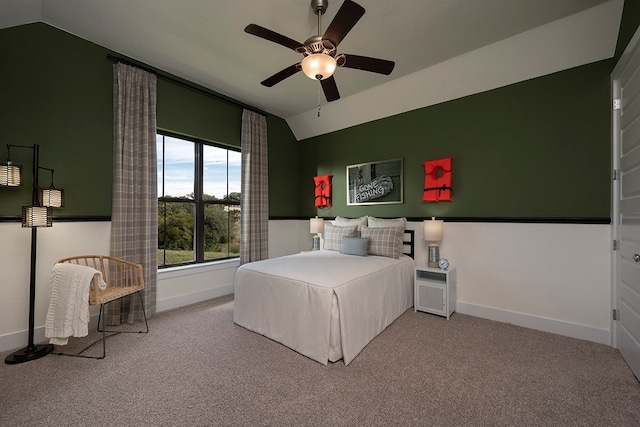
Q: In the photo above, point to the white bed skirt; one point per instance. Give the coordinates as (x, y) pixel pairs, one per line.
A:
(323, 304)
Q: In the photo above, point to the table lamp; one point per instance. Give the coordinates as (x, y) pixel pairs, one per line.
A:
(433, 233)
(316, 226)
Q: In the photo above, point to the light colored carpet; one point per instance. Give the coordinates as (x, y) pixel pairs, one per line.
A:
(196, 367)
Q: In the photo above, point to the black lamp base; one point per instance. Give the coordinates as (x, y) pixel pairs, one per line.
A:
(28, 354)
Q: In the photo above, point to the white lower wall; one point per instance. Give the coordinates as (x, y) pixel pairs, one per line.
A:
(176, 287)
(289, 237)
(62, 240)
(551, 277)
(186, 285)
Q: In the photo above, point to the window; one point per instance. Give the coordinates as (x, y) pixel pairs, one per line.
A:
(198, 201)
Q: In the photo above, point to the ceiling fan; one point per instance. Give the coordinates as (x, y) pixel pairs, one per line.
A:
(320, 57)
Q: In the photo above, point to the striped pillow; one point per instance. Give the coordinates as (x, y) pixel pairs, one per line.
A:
(333, 235)
(360, 222)
(384, 241)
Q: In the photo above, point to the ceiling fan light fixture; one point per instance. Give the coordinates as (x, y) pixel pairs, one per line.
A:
(318, 66)
(320, 57)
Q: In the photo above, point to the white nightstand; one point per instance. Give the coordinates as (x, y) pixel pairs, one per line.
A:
(435, 290)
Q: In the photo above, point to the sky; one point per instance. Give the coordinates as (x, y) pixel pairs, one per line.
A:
(179, 168)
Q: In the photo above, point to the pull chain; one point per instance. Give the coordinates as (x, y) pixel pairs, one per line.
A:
(319, 12)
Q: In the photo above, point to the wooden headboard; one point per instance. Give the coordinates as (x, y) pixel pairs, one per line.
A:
(409, 243)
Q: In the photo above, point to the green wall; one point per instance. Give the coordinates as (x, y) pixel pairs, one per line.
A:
(195, 114)
(628, 26)
(539, 148)
(284, 187)
(57, 91)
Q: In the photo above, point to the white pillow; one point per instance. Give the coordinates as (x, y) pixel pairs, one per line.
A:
(383, 222)
(384, 241)
(333, 235)
(350, 221)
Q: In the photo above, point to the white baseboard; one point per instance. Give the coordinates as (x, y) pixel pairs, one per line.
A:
(601, 336)
(18, 340)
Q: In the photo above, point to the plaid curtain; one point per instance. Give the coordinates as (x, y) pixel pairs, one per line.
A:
(254, 215)
(134, 217)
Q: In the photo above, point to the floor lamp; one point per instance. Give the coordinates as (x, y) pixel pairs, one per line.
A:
(38, 214)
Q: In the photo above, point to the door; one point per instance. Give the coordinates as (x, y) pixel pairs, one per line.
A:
(626, 204)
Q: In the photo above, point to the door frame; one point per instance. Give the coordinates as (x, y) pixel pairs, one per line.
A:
(615, 203)
(615, 186)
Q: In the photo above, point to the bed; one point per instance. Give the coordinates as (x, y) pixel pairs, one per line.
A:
(329, 304)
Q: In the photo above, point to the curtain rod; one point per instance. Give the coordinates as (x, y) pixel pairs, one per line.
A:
(172, 79)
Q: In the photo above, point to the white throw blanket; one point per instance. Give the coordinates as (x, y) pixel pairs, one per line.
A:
(68, 313)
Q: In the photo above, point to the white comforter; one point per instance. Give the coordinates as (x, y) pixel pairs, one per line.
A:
(323, 304)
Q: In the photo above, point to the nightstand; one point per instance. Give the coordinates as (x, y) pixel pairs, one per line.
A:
(435, 291)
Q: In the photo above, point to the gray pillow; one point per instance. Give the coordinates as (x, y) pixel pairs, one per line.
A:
(355, 246)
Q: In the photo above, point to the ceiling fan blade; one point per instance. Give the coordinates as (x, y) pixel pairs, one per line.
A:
(375, 65)
(330, 89)
(272, 36)
(348, 15)
(281, 75)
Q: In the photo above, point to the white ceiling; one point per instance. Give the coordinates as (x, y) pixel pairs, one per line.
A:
(442, 48)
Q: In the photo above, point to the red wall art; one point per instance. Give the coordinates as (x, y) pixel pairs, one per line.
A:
(322, 191)
(437, 180)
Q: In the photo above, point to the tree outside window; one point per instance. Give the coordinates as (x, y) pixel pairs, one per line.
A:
(198, 201)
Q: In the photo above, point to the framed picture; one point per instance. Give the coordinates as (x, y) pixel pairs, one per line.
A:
(375, 183)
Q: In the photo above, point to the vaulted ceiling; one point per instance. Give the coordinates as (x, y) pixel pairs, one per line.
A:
(443, 49)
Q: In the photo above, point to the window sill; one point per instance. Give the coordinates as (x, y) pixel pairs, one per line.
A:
(186, 270)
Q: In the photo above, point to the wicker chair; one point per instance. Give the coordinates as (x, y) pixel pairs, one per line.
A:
(122, 278)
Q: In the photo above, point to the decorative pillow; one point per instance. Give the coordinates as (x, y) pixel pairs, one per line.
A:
(360, 222)
(385, 241)
(355, 246)
(383, 222)
(342, 221)
(333, 235)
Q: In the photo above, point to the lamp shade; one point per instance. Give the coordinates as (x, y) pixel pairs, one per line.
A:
(52, 197)
(318, 66)
(10, 175)
(37, 216)
(433, 230)
(316, 225)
